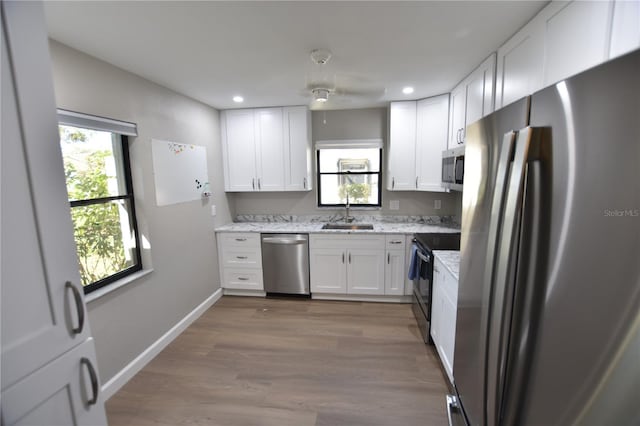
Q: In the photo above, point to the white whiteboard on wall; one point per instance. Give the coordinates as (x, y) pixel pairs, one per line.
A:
(179, 170)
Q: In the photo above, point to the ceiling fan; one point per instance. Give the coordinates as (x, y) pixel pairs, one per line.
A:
(329, 90)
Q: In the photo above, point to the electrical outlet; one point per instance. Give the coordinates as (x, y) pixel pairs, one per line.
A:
(437, 204)
(213, 210)
(394, 205)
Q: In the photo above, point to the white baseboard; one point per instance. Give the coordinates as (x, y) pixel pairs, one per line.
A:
(123, 376)
(251, 293)
(364, 298)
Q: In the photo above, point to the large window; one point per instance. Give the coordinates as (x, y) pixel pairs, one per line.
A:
(96, 163)
(352, 172)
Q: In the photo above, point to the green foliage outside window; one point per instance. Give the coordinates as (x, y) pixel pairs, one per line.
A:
(358, 192)
(97, 227)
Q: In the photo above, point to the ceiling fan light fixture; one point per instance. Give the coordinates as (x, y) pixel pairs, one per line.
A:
(320, 95)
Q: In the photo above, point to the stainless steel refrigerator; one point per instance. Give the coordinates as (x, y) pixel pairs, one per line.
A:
(548, 328)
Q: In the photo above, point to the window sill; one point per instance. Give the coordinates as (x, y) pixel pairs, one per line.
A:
(116, 285)
(352, 208)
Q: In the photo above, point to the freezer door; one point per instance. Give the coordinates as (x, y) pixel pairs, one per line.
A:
(484, 153)
(570, 355)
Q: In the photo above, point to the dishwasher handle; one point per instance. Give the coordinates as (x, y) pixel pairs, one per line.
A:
(284, 240)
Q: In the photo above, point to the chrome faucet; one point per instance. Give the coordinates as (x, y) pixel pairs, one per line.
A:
(347, 218)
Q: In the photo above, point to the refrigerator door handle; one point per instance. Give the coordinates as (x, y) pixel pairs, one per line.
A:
(497, 210)
(526, 300)
(503, 278)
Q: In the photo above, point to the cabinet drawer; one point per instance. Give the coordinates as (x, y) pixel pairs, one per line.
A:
(244, 279)
(395, 241)
(248, 240)
(241, 258)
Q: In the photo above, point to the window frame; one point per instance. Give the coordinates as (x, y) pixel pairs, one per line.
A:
(348, 173)
(90, 122)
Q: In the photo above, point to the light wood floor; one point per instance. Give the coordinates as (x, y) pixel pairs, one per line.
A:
(254, 361)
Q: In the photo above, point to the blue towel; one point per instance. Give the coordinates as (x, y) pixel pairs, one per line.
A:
(414, 269)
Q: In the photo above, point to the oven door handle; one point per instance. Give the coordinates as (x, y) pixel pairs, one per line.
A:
(422, 256)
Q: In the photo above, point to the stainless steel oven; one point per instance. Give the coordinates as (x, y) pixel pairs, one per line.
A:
(422, 273)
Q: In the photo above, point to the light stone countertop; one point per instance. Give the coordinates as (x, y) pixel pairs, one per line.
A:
(316, 227)
(450, 259)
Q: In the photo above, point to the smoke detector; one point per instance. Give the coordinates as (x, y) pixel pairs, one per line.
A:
(320, 56)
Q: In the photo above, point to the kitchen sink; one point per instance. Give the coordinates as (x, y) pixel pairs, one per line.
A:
(349, 226)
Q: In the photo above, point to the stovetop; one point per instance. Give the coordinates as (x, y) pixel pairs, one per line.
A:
(439, 241)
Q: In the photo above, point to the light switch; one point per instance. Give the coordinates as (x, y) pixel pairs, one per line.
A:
(213, 210)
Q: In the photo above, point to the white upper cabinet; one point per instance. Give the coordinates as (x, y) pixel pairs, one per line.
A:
(576, 38)
(458, 111)
(269, 144)
(471, 99)
(297, 149)
(564, 39)
(432, 125)
(625, 27)
(417, 137)
(520, 64)
(266, 149)
(402, 146)
(239, 149)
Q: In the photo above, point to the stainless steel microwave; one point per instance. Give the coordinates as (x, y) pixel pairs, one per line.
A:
(453, 168)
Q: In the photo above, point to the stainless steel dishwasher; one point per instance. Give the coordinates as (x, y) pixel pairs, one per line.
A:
(285, 263)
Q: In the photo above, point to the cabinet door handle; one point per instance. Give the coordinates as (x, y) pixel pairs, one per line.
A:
(342, 257)
(393, 182)
(79, 308)
(259, 184)
(395, 242)
(241, 239)
(243, 279)
(241, 257)
(304, 183)
(388, 258)
(417, 182)
(94, 380)
(253, 183)
(349, 257)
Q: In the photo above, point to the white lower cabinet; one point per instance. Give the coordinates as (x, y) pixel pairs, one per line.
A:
(443, 314)
(347, 264)
(395, 269)
(64, 392)
(240, 258)
(328, 271)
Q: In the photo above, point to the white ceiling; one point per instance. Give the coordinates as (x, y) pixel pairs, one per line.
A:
(212, 51)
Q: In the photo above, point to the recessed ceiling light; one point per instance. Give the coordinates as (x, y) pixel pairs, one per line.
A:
(407, 90)
(238, 99)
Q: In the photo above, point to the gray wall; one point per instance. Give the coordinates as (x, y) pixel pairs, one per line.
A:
(347, 124)
(182, 249)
